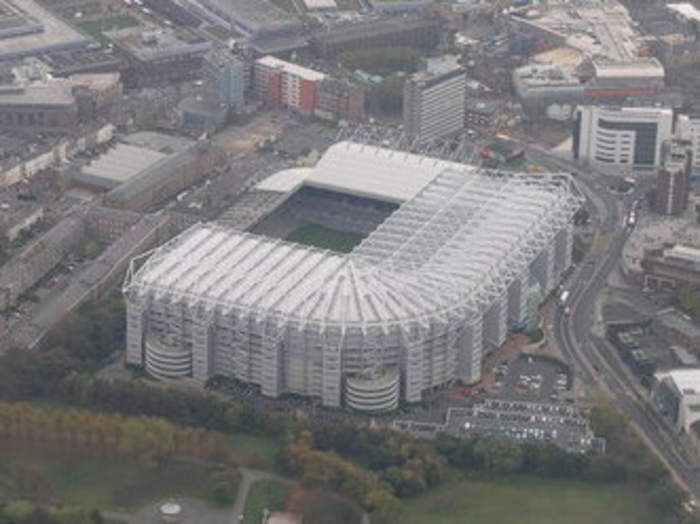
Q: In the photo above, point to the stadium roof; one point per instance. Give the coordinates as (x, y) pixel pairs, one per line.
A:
(320, 4)
(375, 172)
(285, 181)
(452, 249)
(687, 10)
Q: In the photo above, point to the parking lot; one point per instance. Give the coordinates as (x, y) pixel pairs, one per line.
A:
(531, 378)
(559, 424)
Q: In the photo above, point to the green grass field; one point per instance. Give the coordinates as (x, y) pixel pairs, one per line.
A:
(255, 452)
(103, 484)
(324, 238)
(527, 500)
(95, 28)
(264, 494)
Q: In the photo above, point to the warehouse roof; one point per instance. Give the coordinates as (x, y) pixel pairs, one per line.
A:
(119, 164)
(49, 33)
(643, 67)
(451, 249)
(374, 172)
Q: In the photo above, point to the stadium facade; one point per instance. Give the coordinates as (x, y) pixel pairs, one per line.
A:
(415, 305)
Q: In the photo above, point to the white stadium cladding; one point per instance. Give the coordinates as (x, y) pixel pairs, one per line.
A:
(415, 305)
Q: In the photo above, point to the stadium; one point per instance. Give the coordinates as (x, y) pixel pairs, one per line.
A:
(442, 260)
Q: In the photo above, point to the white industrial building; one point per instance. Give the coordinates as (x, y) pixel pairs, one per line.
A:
(434, 100)
(416, 304)
(615, 137)
(677, 394)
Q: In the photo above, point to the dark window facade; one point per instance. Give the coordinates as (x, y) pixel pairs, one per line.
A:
(645, 141)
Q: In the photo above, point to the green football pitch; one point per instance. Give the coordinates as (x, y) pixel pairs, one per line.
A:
(325, 238)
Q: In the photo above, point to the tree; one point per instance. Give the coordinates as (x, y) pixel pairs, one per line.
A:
(499, 455)
(381, 60)
(322, 508)
(666, 498)
(150, 441)
(387, 97)
(31, 485)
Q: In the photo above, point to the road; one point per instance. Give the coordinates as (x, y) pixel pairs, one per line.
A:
(592, 358)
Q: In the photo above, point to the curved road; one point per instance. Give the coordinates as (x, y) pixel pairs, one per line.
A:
(592, 358)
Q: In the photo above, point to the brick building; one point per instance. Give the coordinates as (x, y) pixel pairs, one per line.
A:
(281, 83)
(340, 100)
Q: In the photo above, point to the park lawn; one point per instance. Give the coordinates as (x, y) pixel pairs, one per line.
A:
(264, 494)
(527, 500)
(255, 452)
(325, 238)
(96, 28)
(103, 484)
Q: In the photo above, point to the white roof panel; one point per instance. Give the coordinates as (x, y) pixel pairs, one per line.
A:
(285, 181)
(456, 243)
(374, 172)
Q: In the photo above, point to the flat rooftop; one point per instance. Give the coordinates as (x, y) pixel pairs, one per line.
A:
(118, 165)
(53, 93)
(291, 68)
(546, 75)
(53, 35)
(595, 28)
(643, 67)
(257, 12)
(675, 319)
(653, 231)
(156, 44)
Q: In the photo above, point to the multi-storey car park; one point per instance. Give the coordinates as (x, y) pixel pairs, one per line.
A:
(414, 306)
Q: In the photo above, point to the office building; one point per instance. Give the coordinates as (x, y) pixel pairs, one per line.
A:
(676, 393)
(159, 57)
(621, 138)
(226, 73)
(673, 178)
(434, 100)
